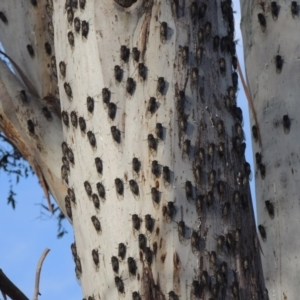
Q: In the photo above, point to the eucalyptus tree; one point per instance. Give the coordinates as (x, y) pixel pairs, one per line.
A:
(271, 43)
(127, 113)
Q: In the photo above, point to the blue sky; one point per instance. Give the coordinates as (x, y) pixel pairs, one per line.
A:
(27, 231)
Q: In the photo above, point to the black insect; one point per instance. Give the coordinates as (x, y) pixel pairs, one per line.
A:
(270, 208)
(101, 190)
(274, 10)
(220, 241)
(65, 148)
(134, 187)
(116, 134)
(135, 54)
(90, 103)
(169, 210)
(99, 165)
(119, 186)
(152, 105)
(152, 143)
(200, 35)
(106, 95)
(209, 198)
(84, 29)
(65, 117)
(186, 147)
(155, 168)
(95, 256)
(130, 86)
(195, 240)
(74, 250)
(82, 4)
(68, 4)
(31, 127)
(207, 29)
(220, 128)
(136, 222)
(159, 131)
(148, 255)
(124, 53)
(286, 122)
(112, 110)
(74, 4)
(223, 43)
(213, 257)
(199, 204)
(120, 284)
(262, 21)
(235, 289)
(53, 66)
(71, 39)
(255, 133)
(202, 10)
(122, 250)
(78, 264)
(166, 174)
(262, 169)
(161, 85)
(49, 10)
(77, 24)
(188, 190)
(118, 73)
(238, 113)
(136, 165)
(51, 30)
(3, 17)
(132, 267)
(199, 54)
(48, 48)
(142, 70)
(92, 138)
(193, 9)
(234, 62)
(258, 158)
(64, 173)
(65, 162)
(96, 223)
(194, 76)
(225, 209)
(195, 289)
(142, 241)
(88, 188)
(279, 63)
(82, 124)
(222, 65)
(96, 201)
(68, 90)
(115, 264)
(71, 194)
(180, 103)
(47, 113)
(294, 8)
(163, 32)
(62, 68)
(155, 195)
(262, 232)
(74, 119)
(216, 43)
(149, 223)
(173, 296)
(212, 177)
(210, 151)
(70, 16)
(221, 149)
(136, 296)
(185, 55)
(181, 229)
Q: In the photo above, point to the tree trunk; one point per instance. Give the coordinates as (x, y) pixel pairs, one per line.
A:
(158, 189)
(272, 64)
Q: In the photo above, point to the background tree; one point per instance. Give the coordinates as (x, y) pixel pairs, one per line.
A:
(271, 46)
(166, 66)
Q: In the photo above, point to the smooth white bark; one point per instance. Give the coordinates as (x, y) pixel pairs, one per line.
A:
(275, 95)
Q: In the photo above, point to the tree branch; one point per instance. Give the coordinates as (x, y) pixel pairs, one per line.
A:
(38, 273)
(9, 289)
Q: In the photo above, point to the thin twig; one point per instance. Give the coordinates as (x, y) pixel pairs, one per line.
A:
(38, 273)
(249, 98)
